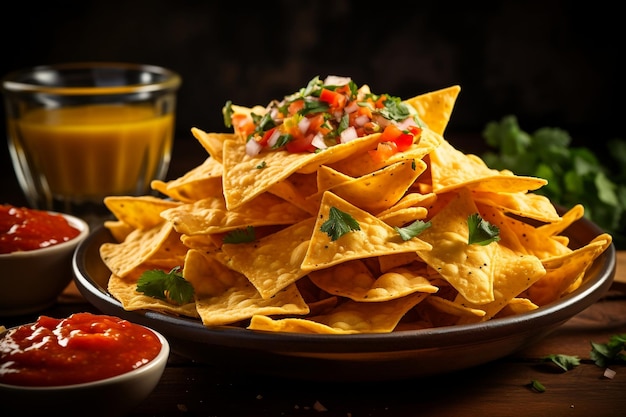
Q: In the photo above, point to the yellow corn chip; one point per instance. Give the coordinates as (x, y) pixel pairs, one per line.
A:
(435, 108)
(273, 262)
(374, 238)
(347, 318)
(468, 268)
(224, 296)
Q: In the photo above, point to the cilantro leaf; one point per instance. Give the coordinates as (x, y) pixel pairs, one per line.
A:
(170, 287)
(481, 232)
(227, 112)
(604, 354)
(537, 386)
(565, 362)
(412, 230)
(246, 235)
(338, 224)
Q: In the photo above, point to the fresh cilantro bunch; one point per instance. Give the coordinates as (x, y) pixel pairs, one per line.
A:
(576, 175)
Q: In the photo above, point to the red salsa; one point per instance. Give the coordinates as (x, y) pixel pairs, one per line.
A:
(24, 229)
(81, 348)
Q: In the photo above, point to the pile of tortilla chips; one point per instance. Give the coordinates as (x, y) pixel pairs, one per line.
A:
(294, 278)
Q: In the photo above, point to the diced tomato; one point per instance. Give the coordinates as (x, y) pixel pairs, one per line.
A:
(335, 100)
(317, 124)
(242, 124)
(384, 151)
(301, 143)
(262, 140)
(295, 107)
(402, 139)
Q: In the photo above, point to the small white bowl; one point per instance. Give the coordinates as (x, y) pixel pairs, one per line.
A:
(111, 397)
(32, 280)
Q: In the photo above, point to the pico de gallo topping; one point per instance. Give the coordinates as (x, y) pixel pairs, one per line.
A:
(326, 113)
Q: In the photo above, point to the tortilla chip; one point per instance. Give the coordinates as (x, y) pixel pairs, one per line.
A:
(245, 177)
(374, 238)
(468, 268)
(451, 169)
(273, 262)
(143, 212)
(435, 108)
(348, 318)
(203, 181)
(224, 296)
(211, 215)
(354, 280)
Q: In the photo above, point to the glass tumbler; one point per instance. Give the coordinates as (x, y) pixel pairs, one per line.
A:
(78, 132)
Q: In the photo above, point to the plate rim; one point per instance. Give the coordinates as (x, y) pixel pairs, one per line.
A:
(552, 314)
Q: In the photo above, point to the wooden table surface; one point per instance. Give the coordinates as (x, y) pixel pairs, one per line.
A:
(499, 388)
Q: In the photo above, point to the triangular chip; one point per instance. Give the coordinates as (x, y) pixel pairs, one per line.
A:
(565, 269)
(348, 318)
(224, 296)
(203, 181)
(450, 169)
(211, 216)
(514, 273)
(435, 108)
(354, 280)
(374, 238)
(138, 247)
(468, 268)
(380, 190)
(142, 212)
(247, 176)
(273, 262)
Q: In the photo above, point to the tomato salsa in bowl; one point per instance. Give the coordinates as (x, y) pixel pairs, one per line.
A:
(36, 249)
(82, 359)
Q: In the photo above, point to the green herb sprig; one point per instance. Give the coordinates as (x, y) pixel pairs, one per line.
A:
(575, 174)
(170, 287)
(338, 224)
(481, 232)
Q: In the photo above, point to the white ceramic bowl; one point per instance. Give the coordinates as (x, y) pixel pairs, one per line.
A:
(32, 280)
(110, 397)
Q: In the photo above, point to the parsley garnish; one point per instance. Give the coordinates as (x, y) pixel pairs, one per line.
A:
(612, 352)
(565, 362)
(170, 287)
(412, 230)
(240, 235)
(481, 232)
(227, 112)
(262, 165)
(338, 224)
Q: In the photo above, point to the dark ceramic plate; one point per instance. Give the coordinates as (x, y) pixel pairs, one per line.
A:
(361, 357)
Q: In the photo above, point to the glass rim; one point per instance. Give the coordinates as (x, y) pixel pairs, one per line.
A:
(12, 81)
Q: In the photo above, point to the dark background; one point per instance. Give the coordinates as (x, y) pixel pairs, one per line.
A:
(550, 63)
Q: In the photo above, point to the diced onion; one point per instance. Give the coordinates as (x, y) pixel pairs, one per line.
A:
(361, 120)
(406, 123)
(253, 147)
(318, 141)
(351, 108)
(609, 373)
(336, 80)
(304, 124)
(348, 135)
(273, 138)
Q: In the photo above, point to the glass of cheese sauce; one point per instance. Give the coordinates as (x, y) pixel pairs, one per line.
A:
(79, 132)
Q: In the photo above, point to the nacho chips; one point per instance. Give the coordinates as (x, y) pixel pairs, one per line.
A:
(339, 211)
